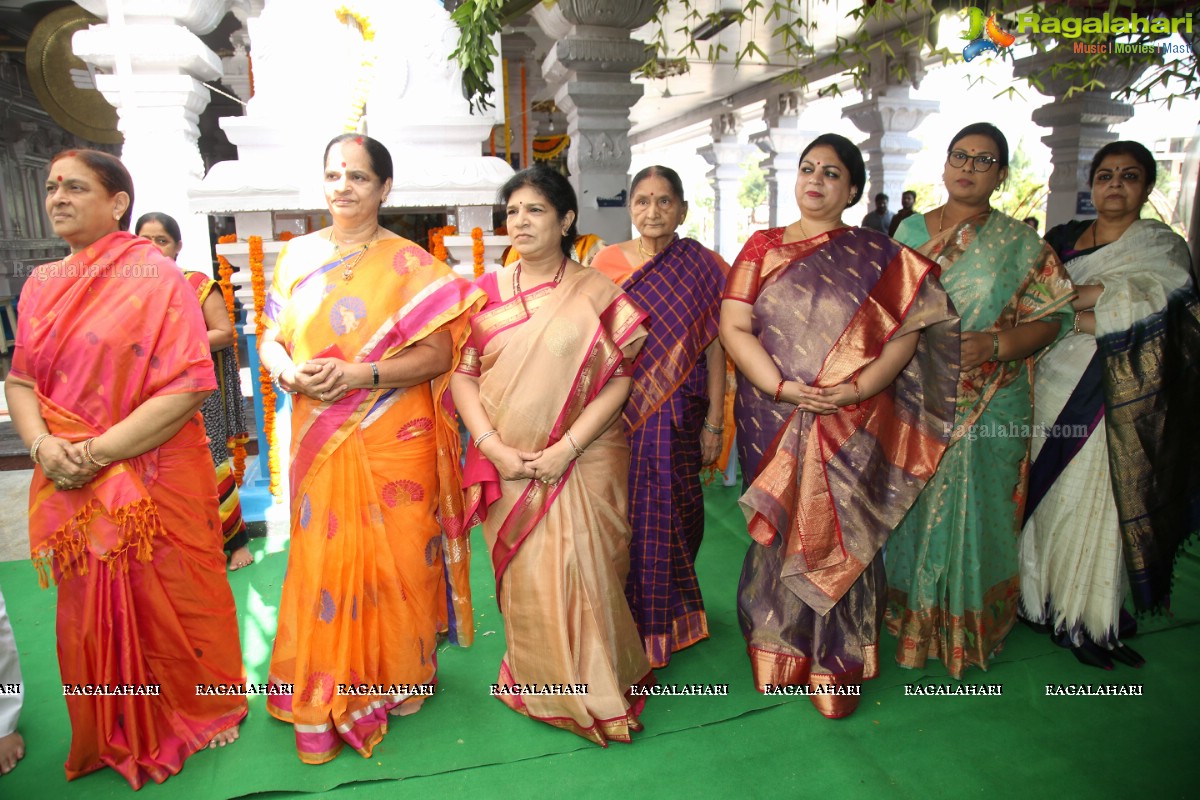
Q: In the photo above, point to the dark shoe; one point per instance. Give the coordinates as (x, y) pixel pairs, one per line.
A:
(1092, 655)
(1127, 626)
(1127, 655)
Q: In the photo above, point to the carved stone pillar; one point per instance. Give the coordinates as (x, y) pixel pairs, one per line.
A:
(590, 64)
(1079, 126)
(154, 65)
(726, 154)
(887, 115)
(783, 141)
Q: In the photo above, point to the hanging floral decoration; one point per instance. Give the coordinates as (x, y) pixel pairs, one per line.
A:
(237, 442)
(258, 282)
(437, 244)
(477, 250)
(285, 236)
(366, 67)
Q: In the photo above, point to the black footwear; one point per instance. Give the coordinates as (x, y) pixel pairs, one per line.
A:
(1090, 654)
(1127, 626)
(1127, 655)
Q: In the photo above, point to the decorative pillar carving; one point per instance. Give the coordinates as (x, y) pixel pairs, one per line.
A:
(1079, 126)
(726, 154)
(783, 141)
(887, 115)
(590, 66)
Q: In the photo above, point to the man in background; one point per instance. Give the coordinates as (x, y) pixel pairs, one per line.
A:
(880, 218)
(907, 201)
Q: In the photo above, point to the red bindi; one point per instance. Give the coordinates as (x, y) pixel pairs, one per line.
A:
(60, 178)
(343, 164)
(72, 153)
(358, 140)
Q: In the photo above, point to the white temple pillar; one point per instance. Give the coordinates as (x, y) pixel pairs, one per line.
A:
(887, 115)
(726, 154)
(1079, 126)
(154, 64)
(590, 63)
(783, 141)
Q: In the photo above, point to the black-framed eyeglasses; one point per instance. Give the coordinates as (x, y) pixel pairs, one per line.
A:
(981, 163)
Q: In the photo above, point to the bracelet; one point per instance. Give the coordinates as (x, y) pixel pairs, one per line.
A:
(275, 375)
(995, 347)
(857, 394)
(374, 374)
(713, 429)
(779, 390)
(33, 451)
(87, 453)
(575, 444)
(1075, 324)
(484, 436)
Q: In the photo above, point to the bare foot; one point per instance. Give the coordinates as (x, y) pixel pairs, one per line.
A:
(240, 558)
(407, 707)
(224, 737)
(12, 750)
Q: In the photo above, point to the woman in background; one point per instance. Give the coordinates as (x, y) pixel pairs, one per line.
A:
(675, 413)
(224, 410)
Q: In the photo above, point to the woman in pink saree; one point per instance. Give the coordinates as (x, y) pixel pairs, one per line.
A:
(541, 388)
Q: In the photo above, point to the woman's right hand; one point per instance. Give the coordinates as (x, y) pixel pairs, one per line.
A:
(64, 463)
(511, 463)
(315, 380)
(807, 398)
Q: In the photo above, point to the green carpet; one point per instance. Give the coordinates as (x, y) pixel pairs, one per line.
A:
(1022, 743)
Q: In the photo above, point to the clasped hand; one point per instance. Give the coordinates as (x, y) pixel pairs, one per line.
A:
(322, 379)
(63, 463)
(547, 465)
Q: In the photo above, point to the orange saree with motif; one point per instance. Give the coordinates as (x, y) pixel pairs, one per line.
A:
(143, 601)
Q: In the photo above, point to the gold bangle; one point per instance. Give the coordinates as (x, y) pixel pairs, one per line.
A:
(857, 394)
(37, 443)
(713, 429)
(1075, 324)
(995, 347)
(574, 444)
(87, 453)
(484, 436)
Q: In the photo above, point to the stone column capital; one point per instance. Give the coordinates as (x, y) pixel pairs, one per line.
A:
(198, 16)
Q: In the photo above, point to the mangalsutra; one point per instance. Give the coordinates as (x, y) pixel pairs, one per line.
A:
(517, 281)
(646, 254)
(348, 270)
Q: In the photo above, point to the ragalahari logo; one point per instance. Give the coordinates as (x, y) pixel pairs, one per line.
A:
(984, 35)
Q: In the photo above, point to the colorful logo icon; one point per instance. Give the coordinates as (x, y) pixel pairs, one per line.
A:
(984, 35)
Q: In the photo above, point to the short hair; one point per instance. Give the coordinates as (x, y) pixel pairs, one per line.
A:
(666, 173)
(849, 154)
(908, 191)
(557, 191)
(111, 172)
(1136, 150)
(377, 154)
(166, 220)
(881, 196)
(990, 131)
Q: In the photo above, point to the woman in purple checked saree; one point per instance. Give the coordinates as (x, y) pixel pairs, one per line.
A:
(379, 558)
(675, 412)
(847, 350)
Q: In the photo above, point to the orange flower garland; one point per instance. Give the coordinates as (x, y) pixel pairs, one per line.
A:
(477, 250)
(259, 283)
(437, 244)
(236, 443)
(362, 86)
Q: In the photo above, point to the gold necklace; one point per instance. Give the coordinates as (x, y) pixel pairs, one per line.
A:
(348, 270)
(647, 254)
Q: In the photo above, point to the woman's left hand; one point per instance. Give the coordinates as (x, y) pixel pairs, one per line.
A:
(552, 463)
(710, 446)
(334, 384)
(976, 349)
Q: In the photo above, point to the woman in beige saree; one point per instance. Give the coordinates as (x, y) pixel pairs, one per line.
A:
(541, 389)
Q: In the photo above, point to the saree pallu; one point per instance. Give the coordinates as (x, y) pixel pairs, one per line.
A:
(379, 558)
(952, 563)
(225, 420)
(561, 552)
(825, 491)
(142, 594)
(680, 290)
(1110, 485)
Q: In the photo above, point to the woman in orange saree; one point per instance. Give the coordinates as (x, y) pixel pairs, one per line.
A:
(109, 371)
(365, 341)
(541, 388)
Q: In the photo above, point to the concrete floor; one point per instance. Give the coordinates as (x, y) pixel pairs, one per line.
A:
(14, 518)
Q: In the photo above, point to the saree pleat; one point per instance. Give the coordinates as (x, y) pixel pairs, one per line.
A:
(378, 560)
(952, 562)
(142, 595)
(561, 553)
(823, 492)
(1120, 498)
(680, 290)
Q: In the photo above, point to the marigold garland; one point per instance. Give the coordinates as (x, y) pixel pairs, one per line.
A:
(267, 389)
(477, 250)
(286, 236)
(236, 443)
(362, 85)
(437, 244)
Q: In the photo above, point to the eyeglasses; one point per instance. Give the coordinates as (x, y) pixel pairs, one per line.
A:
(957, 158)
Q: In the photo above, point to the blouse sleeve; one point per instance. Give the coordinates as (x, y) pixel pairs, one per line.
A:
(742, 282)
